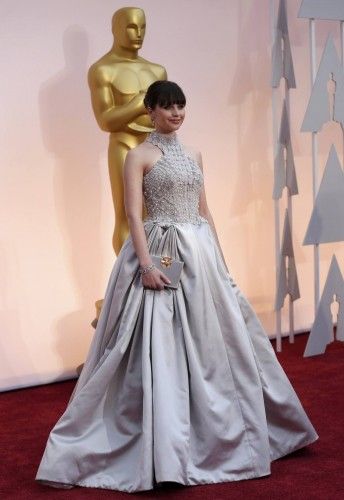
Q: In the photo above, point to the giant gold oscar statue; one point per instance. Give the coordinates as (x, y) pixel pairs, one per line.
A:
(118, 82)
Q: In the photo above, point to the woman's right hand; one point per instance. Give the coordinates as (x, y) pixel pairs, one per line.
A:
(154, 279)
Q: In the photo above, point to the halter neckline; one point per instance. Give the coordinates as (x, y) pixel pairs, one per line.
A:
(163, 139)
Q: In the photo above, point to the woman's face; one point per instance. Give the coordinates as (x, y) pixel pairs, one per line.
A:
(167, 119)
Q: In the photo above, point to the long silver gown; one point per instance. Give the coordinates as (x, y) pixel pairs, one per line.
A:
(179, 385)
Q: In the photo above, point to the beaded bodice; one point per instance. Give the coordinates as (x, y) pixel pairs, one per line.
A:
(171, 188)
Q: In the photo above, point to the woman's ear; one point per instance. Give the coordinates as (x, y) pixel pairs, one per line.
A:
(151, 114)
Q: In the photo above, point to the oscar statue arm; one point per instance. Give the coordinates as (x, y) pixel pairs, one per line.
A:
(163, 75)
(111, 118)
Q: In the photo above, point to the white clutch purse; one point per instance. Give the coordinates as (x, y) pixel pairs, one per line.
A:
(171, 267)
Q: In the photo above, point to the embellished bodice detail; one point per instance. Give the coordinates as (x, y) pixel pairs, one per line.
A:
(171, 188)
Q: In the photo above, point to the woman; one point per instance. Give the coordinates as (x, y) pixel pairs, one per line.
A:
(180, 384)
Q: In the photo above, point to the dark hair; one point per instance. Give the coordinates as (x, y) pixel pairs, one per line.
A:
(164, 93)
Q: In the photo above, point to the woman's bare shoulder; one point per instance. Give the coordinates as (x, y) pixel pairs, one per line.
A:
(141, 148)
(143, 151)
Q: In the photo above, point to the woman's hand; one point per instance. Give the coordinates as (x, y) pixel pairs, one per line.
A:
(154, 279)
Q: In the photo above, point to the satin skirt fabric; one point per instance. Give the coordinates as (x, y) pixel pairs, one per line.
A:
(179, 385)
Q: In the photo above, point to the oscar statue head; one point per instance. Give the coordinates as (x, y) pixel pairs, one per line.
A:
(128, 28)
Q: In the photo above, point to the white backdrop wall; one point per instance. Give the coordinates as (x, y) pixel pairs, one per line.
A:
(56, 208)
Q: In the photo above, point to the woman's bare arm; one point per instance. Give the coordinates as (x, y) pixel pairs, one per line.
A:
(133, 199)
(132, 180)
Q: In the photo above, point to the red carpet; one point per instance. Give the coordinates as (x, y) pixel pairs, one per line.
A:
(315, 472)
